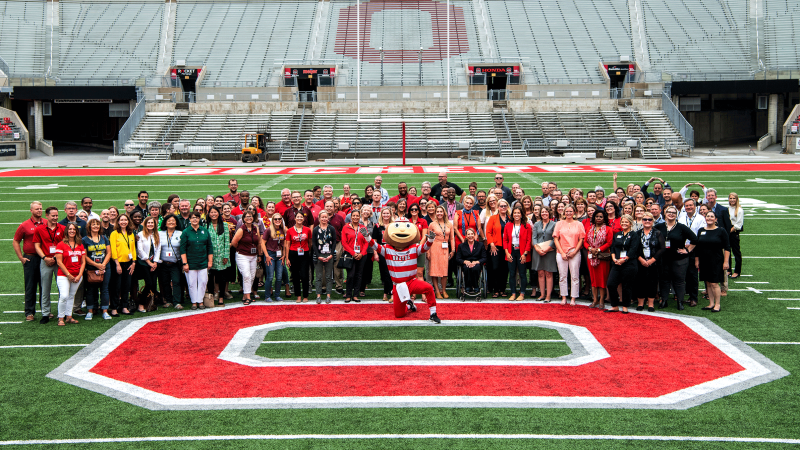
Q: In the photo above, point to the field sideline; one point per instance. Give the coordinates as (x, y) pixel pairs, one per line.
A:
(762, 310)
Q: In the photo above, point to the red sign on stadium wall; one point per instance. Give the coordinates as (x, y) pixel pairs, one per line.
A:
(210, 361)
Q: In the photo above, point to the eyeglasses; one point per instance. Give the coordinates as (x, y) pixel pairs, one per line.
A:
(128, 204)
(671, 212)
(647, 220)
(504, 206)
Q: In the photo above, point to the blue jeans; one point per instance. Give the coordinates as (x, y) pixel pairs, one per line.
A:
(92, 289)
(274, 268)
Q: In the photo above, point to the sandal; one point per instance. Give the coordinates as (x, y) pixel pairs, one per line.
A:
(202, 307)
(70, 320)
(179, 307)
(194, 305)
(245, 302)
(61, 322)
(221, 303)
(734, 275)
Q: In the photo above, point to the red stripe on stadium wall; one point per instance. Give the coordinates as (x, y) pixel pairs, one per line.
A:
(384, 170)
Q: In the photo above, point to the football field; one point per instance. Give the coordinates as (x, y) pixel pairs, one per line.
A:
(494, 375)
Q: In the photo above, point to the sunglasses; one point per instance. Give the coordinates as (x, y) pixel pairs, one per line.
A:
(647, 220)
(128, 204)
(504, 206)
(277, 220)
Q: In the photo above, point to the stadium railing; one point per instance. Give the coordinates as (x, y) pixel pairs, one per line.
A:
(4, 67)
(130, 125)
(677, 119)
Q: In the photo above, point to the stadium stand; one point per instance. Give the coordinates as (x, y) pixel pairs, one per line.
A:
(100, 40)
(23, 35)
(239, 42)
(564, 40)
(781, 30)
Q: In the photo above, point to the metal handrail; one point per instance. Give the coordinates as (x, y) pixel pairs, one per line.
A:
(4, 67)
(130, 125)
(677, 119)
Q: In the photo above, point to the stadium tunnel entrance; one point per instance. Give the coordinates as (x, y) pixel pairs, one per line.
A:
(78, 117)
(497, 79)
(308, 79)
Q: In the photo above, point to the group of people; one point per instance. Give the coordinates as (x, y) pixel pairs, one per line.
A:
(629, 244)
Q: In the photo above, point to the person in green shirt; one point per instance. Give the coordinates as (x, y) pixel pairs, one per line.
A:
(197, 256)
(221, 241)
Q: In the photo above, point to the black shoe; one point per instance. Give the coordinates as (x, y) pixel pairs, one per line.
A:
(680, 306)
(651, 309)
(113, 315)
(411, 306)
(44, 320)
(707, 308)
(129, 313)
(435, 318)
(339, 291)
(640, 308)
(662, 304)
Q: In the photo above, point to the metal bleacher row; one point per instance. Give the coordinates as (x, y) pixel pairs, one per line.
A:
(22, 36)
(507, 134)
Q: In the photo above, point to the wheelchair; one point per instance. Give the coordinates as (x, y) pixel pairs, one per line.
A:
(461, 292)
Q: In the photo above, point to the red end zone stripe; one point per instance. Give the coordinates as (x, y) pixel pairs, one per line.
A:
(649, 357)
(231, 171)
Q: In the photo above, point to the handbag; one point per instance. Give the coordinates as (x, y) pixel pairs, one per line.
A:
(208, 300)
(345, 262)
(604, 256)
(93, 277)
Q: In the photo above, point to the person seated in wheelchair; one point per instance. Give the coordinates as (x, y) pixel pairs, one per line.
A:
(470, 257)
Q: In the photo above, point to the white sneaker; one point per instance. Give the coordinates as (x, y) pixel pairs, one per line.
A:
(107, 316)
(88, 316)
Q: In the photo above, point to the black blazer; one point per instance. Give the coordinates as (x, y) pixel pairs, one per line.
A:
(723, 218)
(629, 243)
(478, 253)
(656, 244)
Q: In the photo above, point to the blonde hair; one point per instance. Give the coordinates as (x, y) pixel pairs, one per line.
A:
(629, 219)
(273, 230)
(737, 207)
(146, 233)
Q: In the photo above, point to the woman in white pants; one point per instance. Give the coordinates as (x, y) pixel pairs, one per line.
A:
(248, 244)
(197, 256)
(69, 258)
(568, 237)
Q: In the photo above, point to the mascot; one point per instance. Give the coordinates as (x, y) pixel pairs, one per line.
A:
(401, 253)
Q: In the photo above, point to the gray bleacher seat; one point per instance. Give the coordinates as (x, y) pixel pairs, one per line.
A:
(23, 36)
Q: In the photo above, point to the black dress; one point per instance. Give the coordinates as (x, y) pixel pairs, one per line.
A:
(709, 250)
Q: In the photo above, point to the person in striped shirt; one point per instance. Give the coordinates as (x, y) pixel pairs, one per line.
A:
(401, 255)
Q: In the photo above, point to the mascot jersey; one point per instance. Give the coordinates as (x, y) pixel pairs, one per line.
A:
(402, 264)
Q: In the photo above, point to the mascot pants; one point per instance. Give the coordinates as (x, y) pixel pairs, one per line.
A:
(415, 286)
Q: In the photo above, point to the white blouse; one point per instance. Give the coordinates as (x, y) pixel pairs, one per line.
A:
(736, 219)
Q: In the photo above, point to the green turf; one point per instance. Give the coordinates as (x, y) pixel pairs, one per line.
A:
(36, 407)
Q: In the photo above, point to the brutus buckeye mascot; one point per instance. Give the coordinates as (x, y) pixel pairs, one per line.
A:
(401, 253)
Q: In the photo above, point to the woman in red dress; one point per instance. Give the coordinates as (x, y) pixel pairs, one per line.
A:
(598, 240)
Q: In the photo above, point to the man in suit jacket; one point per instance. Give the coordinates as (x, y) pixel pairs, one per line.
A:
(723, 221)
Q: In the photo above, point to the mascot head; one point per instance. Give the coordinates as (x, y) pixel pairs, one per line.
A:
(401, 234)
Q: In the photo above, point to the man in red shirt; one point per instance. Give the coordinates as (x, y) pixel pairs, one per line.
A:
(309, 203)
(233, 195)
(426, 194)
(297, 208)
(244, 198)
(29, 258)
(402, 188)
(327, 195)
(46, 237)
(285, 203)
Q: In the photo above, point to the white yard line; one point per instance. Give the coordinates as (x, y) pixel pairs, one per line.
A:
(293, 437)
(8, 323)
(371, 341)
(786, 299)
(43, 346)
(792, 308)
(773, 343)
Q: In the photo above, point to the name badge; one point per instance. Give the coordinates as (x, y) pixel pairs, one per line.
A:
(278, 254)
(253, 251)
(326, 248)
(52, 249)
(444, 244)
(590, 256)
(646, 252)
(623, 254)
(668, 244)
(168, 254)
(702, 233)
(75, 259)
(357, 248)
(130, 256)
(300, 251)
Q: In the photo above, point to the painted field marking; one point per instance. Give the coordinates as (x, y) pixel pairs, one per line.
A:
(768, 180)
(12, 312)
(751, 282)
(293, 437)
(786, 299)
(43, 346)
(8, 323)
(264, 187)
(371, 341)
(752, 289)
(792, 308)
(771, 257)
(768, 290)
(773, 343)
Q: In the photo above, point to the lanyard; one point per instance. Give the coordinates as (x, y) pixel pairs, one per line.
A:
(692, 221)
(646, 238)
(53, 234)
(127, 243)
(169, 241)
(516, 230)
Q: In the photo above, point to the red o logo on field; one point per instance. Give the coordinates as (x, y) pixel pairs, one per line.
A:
(346, 32)
(207, 359)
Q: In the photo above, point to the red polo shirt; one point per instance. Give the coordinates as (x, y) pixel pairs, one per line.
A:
(48, 238)
(281, 207)
(24, 234)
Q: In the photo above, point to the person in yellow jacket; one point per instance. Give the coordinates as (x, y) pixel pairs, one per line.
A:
(123, 252)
